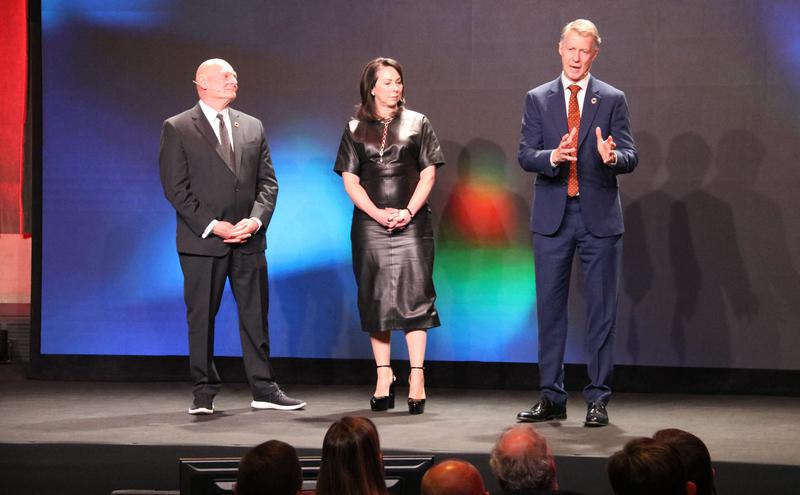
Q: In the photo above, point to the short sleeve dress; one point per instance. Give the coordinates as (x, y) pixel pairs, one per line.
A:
(393, 270)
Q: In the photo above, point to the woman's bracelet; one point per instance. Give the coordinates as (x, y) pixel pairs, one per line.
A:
(409, 212)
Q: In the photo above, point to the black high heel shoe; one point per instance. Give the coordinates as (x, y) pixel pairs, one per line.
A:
(387, 401)
(416, 406)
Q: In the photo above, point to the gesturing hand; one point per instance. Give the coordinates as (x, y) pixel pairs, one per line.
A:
(606, 147)
(566, 150)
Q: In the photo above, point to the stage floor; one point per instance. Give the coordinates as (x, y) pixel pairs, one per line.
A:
(744, 429)
(94, 437)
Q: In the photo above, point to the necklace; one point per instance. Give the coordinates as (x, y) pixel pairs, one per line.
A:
(386, 123)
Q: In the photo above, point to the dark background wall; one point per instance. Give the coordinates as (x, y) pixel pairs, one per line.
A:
(711, 249)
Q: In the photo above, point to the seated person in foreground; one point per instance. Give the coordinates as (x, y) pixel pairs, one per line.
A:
(695, 457)
(453, 477)
(648, 467)
(523, 464)
(352, 462)
(271, 468)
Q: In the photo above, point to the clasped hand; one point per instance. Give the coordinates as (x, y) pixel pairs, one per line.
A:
(393, 219)
(235, 234)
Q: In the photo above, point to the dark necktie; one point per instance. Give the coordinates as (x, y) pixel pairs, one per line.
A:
(225, 140)
(573, 120)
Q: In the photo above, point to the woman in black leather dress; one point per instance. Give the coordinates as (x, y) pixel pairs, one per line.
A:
(387, 159)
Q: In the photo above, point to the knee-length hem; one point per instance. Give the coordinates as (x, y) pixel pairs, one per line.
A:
(427, 324)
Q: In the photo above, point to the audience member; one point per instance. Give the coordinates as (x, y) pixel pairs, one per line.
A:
(453, 477)
(646, 466)
(523, 463)
(271, 468)
(695, 457)
(352, 462)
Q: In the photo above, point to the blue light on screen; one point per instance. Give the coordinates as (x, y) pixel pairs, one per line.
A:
(111, 282)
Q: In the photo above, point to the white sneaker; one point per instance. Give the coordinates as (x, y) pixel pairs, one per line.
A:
(202, 405)
(278, 400)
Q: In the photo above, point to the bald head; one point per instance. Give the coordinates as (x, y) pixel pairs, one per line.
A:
(521, 460)
(523, 440)
(453, 477)
(216, 83)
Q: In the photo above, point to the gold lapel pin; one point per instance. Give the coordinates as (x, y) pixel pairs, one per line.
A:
(236, 124)
(594, 101)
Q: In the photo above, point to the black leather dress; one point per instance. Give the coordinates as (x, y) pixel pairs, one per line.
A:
(393, 270)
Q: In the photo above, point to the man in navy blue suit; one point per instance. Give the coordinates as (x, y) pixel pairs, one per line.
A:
(576, 138)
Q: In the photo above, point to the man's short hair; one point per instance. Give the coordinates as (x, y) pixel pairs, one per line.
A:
(270, 468)
(647, 467)
(695, 456)
(583, 27)
(521, 460)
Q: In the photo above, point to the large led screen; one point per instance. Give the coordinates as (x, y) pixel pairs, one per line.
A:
(711, 249)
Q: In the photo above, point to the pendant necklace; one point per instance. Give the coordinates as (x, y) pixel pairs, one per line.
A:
(386, 123)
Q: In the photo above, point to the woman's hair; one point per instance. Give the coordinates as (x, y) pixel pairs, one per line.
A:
(369, 76)
(351, 459)
(694, 455)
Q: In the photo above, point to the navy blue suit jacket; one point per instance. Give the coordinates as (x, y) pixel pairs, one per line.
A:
(544, 123)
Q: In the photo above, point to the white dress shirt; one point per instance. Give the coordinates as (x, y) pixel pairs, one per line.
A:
(583, 83)
(211, 115)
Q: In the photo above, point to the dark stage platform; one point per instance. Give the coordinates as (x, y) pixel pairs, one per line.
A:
(93, 437)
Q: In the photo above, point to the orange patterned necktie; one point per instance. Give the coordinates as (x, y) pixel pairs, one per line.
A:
(573, 121)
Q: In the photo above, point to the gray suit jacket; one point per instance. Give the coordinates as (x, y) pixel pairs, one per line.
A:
(202, 187)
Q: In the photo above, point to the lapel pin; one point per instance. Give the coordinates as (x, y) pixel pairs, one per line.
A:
(236, 124)
(594, 102)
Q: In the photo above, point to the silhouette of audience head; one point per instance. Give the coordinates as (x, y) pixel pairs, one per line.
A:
(695, 457)
(352, 462)
(269, 468)
(522, 460)
(646, 466)
(453, 477)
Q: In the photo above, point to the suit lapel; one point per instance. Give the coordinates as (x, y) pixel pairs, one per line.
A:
(556, 110)
(591, 102)
(238, 141)
(204, 128)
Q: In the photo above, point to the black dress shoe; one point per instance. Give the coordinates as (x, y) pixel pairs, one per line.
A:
(596, 415)
(544, 410)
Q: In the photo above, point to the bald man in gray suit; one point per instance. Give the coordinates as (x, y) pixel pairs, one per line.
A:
(217, 173)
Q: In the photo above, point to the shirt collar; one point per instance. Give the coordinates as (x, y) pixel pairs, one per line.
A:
(583, 83)
(210, 113)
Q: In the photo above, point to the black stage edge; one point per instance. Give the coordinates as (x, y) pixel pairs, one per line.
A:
(99, 469)
(442, 374)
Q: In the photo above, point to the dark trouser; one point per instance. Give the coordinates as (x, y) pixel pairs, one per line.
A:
(203, 284)
(600, 259)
